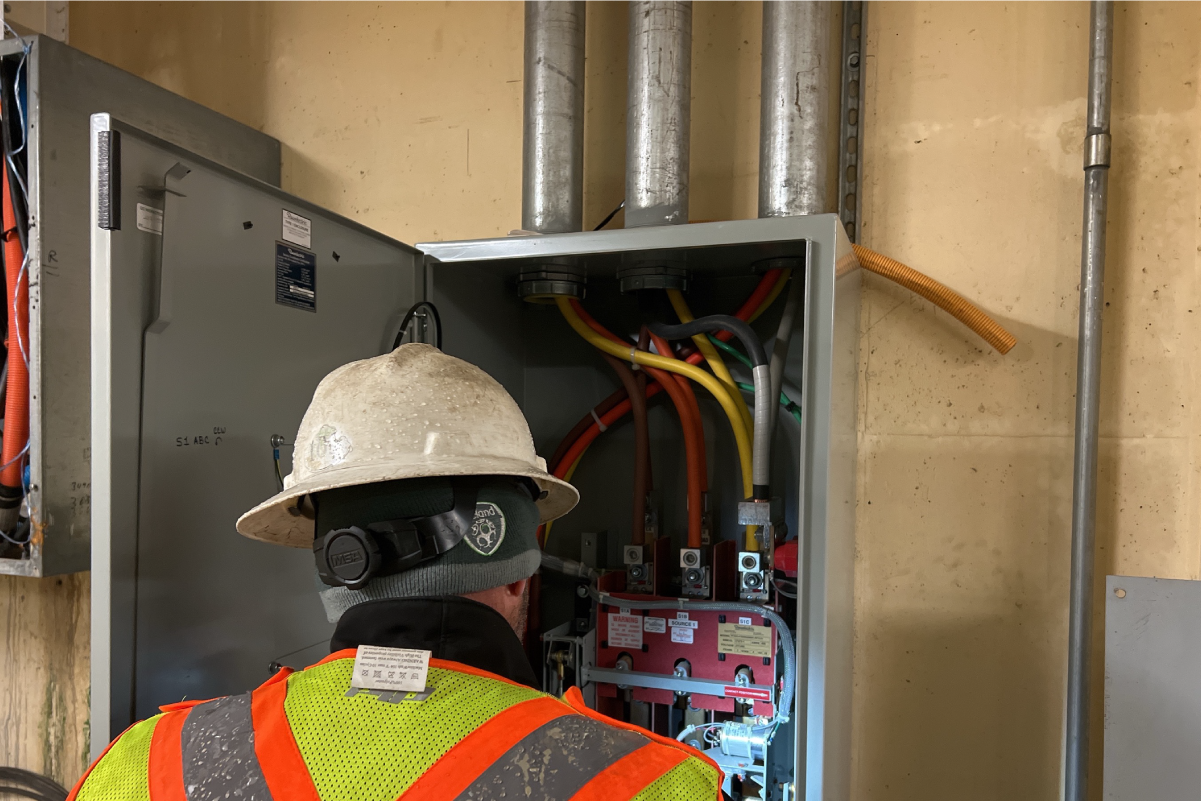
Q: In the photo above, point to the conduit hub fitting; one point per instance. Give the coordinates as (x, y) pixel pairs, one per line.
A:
(778, 263)
(542, 284)
(658, 276)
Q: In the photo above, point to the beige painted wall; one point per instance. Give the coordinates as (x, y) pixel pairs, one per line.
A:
(407, 117)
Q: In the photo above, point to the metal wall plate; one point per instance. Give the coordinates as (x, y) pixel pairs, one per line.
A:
(65, 87)
(197, 361)
(1152, 691)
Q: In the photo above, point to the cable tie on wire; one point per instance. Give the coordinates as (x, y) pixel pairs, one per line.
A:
(634, 357)
(599, 424)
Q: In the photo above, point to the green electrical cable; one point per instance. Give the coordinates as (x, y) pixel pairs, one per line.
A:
(730, 349)
(785, 401)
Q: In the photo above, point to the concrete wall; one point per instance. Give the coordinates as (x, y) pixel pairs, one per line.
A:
(407, 117)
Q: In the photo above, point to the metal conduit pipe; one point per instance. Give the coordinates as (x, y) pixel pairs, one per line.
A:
(1088, 392)
(794, 131)
(659, 113)
(794, 111)
(552, 152)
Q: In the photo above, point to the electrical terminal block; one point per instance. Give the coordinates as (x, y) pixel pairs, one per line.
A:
(694, 573)
(752, 577)
(640, 574)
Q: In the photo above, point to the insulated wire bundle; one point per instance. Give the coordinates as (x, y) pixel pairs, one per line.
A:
(567, 456)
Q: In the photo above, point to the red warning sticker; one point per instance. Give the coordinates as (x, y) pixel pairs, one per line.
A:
(747, 693)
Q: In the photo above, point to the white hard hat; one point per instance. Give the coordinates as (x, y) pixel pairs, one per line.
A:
(412, 413)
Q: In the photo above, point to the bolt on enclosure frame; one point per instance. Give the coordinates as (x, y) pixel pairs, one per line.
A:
(64, 88)
(472, 282)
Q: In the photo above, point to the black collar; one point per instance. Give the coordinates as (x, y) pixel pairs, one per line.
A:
(453, 628)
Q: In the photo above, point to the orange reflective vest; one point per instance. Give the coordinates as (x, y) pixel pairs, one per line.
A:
(472, 735)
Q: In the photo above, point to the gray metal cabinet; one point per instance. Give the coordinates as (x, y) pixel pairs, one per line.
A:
(64, 88)
(218, 304)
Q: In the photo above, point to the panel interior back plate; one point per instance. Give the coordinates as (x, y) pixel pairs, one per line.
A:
(195, 366)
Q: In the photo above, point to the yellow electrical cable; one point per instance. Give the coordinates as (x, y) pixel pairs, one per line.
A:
(741, 436)
(771, 296)
(712, 357)
(566, 477)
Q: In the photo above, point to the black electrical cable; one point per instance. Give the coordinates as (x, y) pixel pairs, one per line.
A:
(725, 322)
(612, 214)
(27, 784)
(408, 318)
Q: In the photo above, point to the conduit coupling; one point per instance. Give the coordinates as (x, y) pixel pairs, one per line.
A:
(1096, 150)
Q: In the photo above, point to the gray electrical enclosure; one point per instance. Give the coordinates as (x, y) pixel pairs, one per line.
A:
(218, 304)
(1152, 688)
(555, 376)
(64, 87)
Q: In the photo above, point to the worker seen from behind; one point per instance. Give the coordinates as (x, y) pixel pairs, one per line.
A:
(416, 485)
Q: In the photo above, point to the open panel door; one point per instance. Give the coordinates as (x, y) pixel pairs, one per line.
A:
(218, 304)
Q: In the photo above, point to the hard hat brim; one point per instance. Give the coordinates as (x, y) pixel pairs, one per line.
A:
(276, 520)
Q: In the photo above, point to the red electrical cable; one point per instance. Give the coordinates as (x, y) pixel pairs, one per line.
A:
(16, 400)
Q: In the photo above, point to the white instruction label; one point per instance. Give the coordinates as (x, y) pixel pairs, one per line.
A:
(625, 631)
(377, 668)
(150, 219)
(681, 634)
(298, 230)
(746, 640)
(654, 625)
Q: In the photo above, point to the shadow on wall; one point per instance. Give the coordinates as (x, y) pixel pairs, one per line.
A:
(967, 709)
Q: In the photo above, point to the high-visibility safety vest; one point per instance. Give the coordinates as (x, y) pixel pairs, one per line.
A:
(472, 735)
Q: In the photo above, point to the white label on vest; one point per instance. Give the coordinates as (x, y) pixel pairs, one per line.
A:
(377, 668)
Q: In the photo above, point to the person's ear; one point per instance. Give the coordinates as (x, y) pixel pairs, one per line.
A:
(517, 588)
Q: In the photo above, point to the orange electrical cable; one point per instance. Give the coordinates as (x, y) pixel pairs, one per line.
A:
(689, 410)
(940, 295)
(690, 423)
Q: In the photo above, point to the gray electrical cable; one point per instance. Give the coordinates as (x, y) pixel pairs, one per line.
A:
(779, 351)
(682, 604)
(765, 399)
(568, 567)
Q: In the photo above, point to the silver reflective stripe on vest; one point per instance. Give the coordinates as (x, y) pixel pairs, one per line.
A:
(554, 761)
(219, 763)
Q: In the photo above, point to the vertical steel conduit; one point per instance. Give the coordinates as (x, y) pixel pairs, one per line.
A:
(552, 152)
(1088, 391)
(794, 110)
(794, 134)
(658, 117)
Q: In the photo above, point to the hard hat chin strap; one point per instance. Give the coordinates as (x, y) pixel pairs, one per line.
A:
(351, 557)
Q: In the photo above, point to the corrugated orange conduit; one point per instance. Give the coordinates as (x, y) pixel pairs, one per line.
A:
(16, 414)
(940, 295)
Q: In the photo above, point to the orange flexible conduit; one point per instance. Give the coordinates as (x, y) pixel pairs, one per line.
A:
(939, 294)
(16, 399)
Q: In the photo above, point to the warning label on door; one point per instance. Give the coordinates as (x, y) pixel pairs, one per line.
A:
(746, 640)
(625, 631)
(295, 277)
